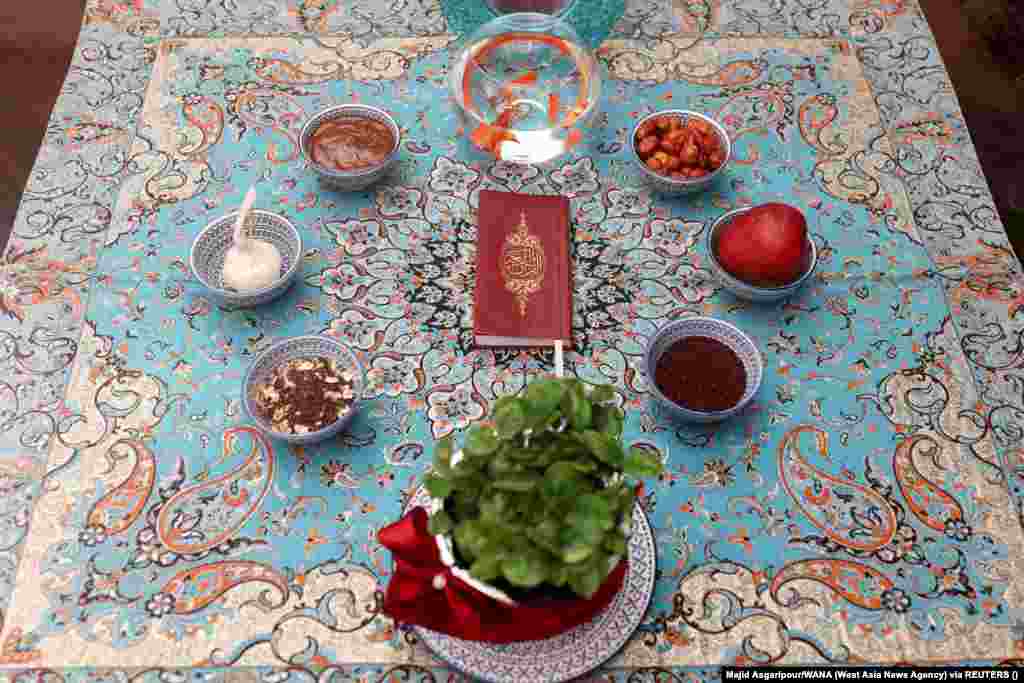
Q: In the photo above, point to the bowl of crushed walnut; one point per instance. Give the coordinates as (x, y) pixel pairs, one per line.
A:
(304, 390)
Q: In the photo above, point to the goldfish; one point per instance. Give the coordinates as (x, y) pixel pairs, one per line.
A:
(505, 117)
(528, 78)
(489, 137)
(573, 138)
(553, 104)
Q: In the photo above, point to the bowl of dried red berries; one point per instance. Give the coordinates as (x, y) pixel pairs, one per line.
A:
(702, 369)
(680, 151)
(304, 390)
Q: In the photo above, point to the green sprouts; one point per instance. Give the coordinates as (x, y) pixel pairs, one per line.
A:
(540, 494)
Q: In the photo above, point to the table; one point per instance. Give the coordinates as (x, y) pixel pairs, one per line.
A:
(866, 509)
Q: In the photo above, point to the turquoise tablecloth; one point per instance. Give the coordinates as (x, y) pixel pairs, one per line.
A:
(867, 508)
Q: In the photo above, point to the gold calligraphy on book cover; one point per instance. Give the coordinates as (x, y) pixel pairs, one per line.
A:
(522, 263)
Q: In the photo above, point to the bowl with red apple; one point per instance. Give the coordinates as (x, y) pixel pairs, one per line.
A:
(762, 253)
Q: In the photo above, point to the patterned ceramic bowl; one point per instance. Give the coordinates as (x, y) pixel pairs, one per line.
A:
(310, 346)
(674, 186)
(206, 258)
(719, 330)
(358, 179)
(740, 288)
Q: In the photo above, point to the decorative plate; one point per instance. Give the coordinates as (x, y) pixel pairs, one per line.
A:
(593, 20)
(568, 655)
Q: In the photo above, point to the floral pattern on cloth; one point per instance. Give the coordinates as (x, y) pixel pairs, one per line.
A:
(864, 509)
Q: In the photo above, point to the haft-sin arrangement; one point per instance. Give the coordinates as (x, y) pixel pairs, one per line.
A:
(525, 87)
(702, 369)
(304, 390)
(532, 527)
(762, 253)
(350, 146)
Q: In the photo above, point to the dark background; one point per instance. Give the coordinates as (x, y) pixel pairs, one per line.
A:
(37, 38)
(977, 39)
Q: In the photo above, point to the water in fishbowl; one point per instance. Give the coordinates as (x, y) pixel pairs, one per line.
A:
(525, 95)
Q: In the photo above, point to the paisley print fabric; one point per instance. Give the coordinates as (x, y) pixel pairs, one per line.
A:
(866, 508)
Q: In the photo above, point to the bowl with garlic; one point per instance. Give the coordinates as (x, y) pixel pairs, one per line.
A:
(304, 390)
(247, 266)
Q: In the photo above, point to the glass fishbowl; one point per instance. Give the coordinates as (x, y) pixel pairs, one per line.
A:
(525, 87)
(556, 7)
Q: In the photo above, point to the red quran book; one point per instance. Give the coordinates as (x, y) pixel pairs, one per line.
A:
(523, 293)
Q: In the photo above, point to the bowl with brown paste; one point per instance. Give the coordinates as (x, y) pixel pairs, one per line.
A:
(351, 146)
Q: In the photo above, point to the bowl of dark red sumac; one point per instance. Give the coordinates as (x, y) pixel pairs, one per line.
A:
(680, 151)
(350, 146)
(702, 369)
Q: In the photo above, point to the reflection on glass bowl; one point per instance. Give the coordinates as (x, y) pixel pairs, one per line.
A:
(555, 7)
(525, 87)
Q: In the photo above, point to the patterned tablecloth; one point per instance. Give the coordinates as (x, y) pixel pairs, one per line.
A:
(866, 509)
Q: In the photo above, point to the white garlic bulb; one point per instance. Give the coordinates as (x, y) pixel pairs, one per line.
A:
(250, 264)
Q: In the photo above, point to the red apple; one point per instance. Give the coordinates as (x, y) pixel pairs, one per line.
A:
(766, 246)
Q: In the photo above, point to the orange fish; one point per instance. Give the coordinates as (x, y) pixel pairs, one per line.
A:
(573, 138)
(553, 104)
(314, 539)
(489, 137)
(573, 116)
(741, 538)
(528, 78)
(505, 117)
